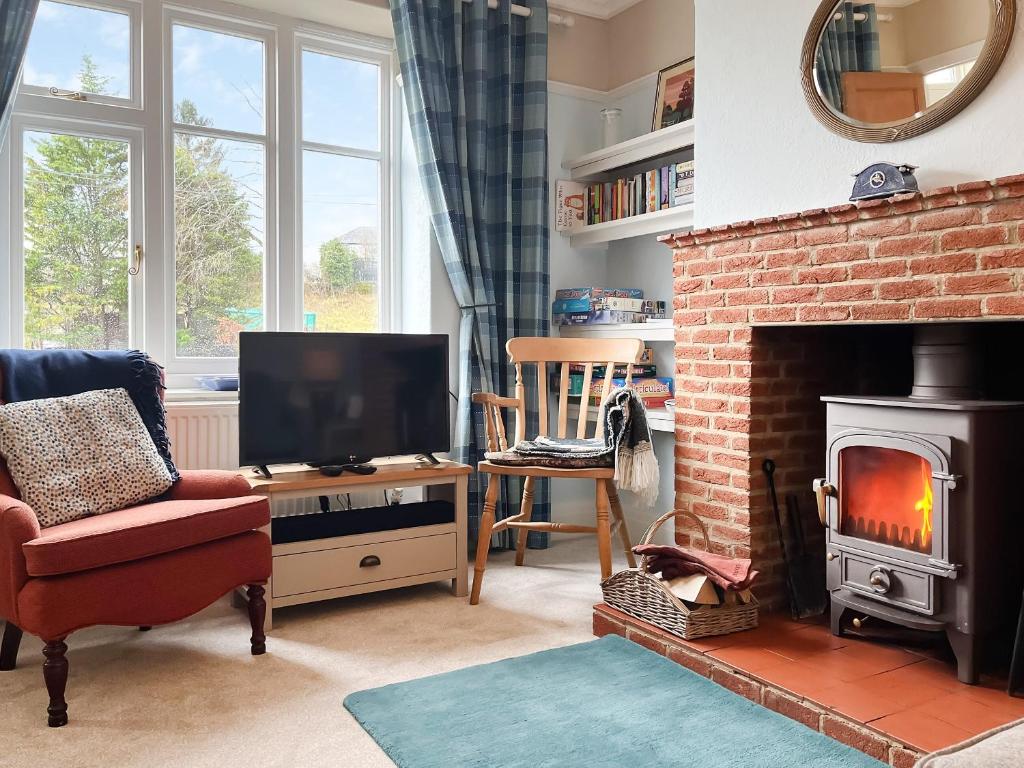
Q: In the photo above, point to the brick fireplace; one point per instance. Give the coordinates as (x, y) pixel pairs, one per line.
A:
(772, 314)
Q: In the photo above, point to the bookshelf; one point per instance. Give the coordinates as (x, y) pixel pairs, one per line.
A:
(657, 222)
(650, 146)
(652, 330)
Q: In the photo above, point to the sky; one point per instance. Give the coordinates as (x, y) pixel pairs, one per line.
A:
(224, 76)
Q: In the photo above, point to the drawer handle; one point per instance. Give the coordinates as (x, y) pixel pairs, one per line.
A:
(369, 561)
(880, 580)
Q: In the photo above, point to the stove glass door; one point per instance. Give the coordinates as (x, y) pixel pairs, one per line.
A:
(886, 496)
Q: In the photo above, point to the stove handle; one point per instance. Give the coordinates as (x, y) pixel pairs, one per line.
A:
(822, 490)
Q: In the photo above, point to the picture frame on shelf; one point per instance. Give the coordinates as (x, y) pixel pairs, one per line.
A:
(674, 101)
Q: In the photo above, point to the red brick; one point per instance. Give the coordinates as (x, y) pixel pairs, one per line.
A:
(710, 438)
(728, 315)
(905, 246)
(907, 289)
(721, 282)
(959, 262)
(822, 236)
(729, 248)
(856, 737)
(774, 277)
(835, 254)
(927, 308)
(705, 300)
(800, 295)
(947, 219)
(894, 311)
(603, 625)
(740, 388)
(712, 476)
(692, 660)
(710, 405)
(711, 336)
(903, 758)
(820, 314)
(791, 707)
(979, 237)
(1011, 257)
(774, 242)
(681, 318)
(746, 298)
(740, 263)
(787, 259)
(774, 315)
(1000, 282)
(850, 292)
(689, 286)
(736, 683)
(732, 352)
(875, 270)
(711, 370)
(1005, 306)
(698, 268)
(822, 275)
(1004, 210)
(647, 641)
(871, 230)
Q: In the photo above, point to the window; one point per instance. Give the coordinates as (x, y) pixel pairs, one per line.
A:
(264, 200)
(341, 169)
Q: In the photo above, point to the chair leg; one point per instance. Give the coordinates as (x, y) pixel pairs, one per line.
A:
(55, 673)
(613, 497)
(604, 530)
(483, 543)
(257, 618)
(526, 508)
(9, 647)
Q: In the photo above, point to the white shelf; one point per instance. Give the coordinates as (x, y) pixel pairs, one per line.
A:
(666, 220)
(659, 419)
(652, 330)
(654, 144)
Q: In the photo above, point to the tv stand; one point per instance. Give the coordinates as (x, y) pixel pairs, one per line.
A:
(263, 470)
(318, 569)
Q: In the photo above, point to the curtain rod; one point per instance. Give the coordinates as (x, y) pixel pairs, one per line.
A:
(522, 10)
(863, 16)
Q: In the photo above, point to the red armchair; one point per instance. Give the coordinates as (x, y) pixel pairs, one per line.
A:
(147, 565)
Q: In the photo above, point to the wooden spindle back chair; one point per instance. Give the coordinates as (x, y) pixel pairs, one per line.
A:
(538, 354)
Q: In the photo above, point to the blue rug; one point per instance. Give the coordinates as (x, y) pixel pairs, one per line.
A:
(607, 703)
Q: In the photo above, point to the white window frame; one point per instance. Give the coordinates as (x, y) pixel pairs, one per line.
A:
(133, 10)
(145, 120)
(384, 155)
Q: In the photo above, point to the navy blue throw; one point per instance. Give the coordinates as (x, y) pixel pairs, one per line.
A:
(33, 375)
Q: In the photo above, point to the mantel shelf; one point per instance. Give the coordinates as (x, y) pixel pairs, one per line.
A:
(666, 220)
(652, 330)
(650, 145)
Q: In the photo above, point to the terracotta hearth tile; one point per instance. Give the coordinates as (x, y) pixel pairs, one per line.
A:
(858, 703)
(884, 656)
(796, 678)
(963, 712)
(993, 694)
(934, 674)
(920, 730)
(747, 658)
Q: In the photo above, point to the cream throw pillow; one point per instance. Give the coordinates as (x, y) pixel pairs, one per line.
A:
(87, 454)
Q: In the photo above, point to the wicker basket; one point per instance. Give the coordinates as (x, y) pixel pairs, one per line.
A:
(638, 593)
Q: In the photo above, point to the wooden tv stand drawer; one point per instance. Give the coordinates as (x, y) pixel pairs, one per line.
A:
(340, 565)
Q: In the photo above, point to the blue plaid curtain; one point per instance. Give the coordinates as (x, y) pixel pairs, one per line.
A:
(15, 25)
(475, 84)
(848, 45)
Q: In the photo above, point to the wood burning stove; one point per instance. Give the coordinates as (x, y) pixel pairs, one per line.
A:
(922, 517)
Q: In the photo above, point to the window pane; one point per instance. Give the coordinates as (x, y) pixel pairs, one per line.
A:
(218, 80)
(219, 211)
(340, 101)
(340, 242)
(61, 55)
(76, 242)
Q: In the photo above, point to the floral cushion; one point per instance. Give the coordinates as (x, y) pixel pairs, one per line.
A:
(71, 457)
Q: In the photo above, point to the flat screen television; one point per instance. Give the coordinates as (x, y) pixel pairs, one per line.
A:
(341, 398)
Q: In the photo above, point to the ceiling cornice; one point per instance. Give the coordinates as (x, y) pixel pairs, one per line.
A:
(598, 9)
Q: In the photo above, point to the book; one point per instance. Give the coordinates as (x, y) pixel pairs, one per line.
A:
(597, 317)
(570, 205)
(663, 188)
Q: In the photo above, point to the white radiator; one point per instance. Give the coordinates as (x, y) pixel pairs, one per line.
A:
(205, 436)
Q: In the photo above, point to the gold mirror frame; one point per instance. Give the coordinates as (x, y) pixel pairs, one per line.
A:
(992, 55)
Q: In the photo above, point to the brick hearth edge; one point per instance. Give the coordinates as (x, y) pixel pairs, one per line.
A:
(951, 254)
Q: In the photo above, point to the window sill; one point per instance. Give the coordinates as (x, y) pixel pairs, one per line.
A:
(183, 395)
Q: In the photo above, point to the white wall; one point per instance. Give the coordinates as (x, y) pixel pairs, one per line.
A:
(759, 150)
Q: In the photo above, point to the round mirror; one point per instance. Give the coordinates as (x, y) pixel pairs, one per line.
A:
(893, 69)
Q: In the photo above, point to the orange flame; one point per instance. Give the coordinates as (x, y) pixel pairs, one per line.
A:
(925, 504)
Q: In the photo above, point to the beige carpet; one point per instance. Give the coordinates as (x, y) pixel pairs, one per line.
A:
(190, 695)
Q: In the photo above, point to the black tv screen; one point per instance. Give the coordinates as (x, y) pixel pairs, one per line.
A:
(325, 398)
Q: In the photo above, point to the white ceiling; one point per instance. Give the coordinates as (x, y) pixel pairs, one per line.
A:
(599, 9)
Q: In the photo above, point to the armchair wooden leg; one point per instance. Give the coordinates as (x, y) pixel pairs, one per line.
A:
(483, 543)
(55, 673)
(526, 508)
(613, 497)
(604, 530)
(9, 647)
(257, 617)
